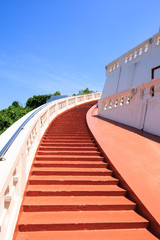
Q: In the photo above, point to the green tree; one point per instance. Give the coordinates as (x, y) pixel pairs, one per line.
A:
(11, 114)
(57, 93)
(82, 92)
(36, 101)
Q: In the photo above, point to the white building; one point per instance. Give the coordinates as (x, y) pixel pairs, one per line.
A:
(131, 93)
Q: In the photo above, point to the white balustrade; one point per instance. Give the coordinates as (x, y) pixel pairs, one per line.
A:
(137, 52)
(80, 98)
(52, 110)
(145, 91)
(116, 100)
(114, 65)
(88, 96)
(14, 170)
(71, 101)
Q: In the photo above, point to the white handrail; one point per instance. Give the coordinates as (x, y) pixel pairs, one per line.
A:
(15, 169)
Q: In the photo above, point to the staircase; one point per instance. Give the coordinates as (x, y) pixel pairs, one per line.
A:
(71, 192)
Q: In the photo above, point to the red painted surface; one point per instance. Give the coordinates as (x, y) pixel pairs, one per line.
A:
(135, 155)
(71, 192)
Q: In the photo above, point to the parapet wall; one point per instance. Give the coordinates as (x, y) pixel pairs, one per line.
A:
(135, 67)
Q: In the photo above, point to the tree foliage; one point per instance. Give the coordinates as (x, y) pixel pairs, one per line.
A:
(82, 92)
(11, 114)
(57, 93)
(36, 101)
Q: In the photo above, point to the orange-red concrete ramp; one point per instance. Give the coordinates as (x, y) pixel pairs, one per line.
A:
(72, 193)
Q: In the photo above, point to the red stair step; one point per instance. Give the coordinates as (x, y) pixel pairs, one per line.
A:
(69, 158)
(80, 220)
(122, 234)
(82, 153)
(71, 171)
(67, 141)
(70, 164)
(65, 148)
(73, 144)
(68, 137)
(77, 180)
(75, 190)
(89, 203)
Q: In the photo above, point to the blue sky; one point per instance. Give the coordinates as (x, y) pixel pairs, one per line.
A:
(64, 45)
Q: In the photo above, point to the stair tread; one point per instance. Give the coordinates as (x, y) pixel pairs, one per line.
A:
(75, 217)
(69, 134)
(118, 234)
(42, 148)
(69, 153)
(74, 151)
(90, 159)
(66, 144)
(68, 140)
(68, 137)
(107, 200)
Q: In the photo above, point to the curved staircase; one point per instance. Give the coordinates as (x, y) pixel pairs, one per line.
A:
(71, 192)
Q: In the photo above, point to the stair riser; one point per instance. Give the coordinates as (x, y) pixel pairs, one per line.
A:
(52, 153)
(67, 141)
(75, 193)
(67, 149)
(67, 144)
(68, 138)
(71, 182)
(68, 135)
(45, 173)
(48, 158)
(74, 131)
(87, 226)
(70, 165)
(77, 208)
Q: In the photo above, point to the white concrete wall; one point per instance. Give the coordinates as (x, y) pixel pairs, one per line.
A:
(152, 120)
(142, 111)
(121, 75)
(130, 113)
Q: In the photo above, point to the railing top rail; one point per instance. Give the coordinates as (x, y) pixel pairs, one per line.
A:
(128, 91)
(11, 140)
(150, 83)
